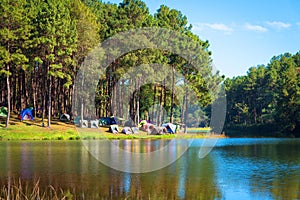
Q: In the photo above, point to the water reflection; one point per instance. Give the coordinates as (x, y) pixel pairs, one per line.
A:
(137, 156)
(259, 168)
(235, 169)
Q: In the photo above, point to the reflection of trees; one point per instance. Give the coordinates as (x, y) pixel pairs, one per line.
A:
(141, 146)
(258, 169)
(261, 168)
(187, 178)
(286, 187)
(278, 174)
(200, 173)
(67, 165)
(286, 184)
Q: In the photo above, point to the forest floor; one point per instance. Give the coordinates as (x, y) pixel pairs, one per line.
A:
(33, 130)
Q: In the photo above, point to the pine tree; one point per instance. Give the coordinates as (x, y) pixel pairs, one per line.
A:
(55, 41)
(14, 37)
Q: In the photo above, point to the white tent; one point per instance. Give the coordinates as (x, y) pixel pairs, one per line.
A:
(65, 117)
(94, 123)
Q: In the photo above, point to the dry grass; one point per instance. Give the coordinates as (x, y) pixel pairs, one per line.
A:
(20, 191)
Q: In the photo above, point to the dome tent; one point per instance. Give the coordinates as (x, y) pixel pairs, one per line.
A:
(65, 117)
(3, 111)
(26, 114)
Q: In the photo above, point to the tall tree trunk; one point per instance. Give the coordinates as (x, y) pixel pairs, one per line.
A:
(108, 93)
(33, 87)
(154, 99)
(165, 113)
(173, 94)
(186, 112)
(71, 99)
(24, 89)
(103, 102)
(43, 107)
(14, 92)
(68, 101)
(81, 103)
(81, 112)
(121, 101)
(49, 101)
(20, 100)
(114, 108)
(137, 86)
(118, 98)
(137, 116)
(60, 92)
(160, 111)
(183, 111)
(8, 97)
(44, 89)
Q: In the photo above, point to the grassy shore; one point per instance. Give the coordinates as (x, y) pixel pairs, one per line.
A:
(19, 190)
(33, 130)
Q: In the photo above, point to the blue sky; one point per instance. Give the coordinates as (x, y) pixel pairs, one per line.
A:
(241, 33)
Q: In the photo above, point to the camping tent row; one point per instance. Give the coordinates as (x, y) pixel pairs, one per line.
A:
(25, 114)
(147, 127)
(125, 130)
(86, 124)
(111, 123)
(152, 129)
(103, 121)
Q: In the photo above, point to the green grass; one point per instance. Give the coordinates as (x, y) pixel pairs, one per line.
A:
(33, 130)
(199, 130)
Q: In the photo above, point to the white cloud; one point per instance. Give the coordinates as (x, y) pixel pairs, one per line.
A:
(214, 26)
(298, 23)
(219, 27)
(278, 24)
(257, 28)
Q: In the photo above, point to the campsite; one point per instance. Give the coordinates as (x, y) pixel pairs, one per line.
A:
(64, 130)
(175, 82)
(24, 126)
(144, 99)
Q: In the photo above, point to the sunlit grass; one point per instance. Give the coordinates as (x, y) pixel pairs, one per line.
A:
(199, 130)
(33, 130)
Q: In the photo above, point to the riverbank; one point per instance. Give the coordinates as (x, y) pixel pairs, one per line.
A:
(33, 130)
(257, 130)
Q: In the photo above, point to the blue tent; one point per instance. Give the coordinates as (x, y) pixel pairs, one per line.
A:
(103, 121)
(26, 114)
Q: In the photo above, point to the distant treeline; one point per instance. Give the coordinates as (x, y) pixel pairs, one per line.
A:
(267, 99)
(43, 44)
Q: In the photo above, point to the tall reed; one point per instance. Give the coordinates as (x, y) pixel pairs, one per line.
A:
(20, 191)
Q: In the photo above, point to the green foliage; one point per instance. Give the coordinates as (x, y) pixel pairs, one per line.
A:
(55, 36)
(268, 94)
(43, 44)
(14, 40)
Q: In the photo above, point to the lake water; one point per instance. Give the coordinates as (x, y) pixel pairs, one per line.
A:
(234, 169)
